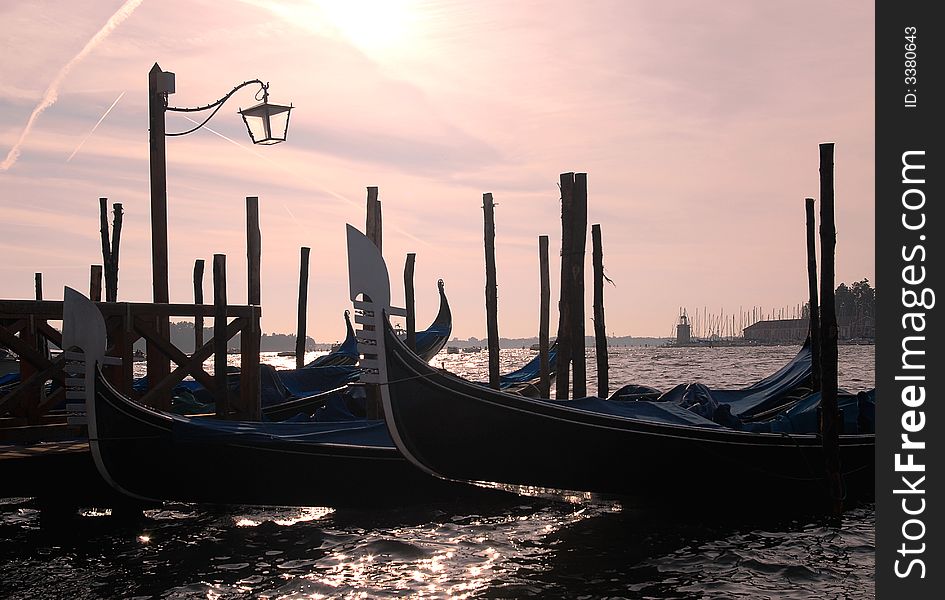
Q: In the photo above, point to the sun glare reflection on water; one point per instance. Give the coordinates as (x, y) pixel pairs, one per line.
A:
(301, 515)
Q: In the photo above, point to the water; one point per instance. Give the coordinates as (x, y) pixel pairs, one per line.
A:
(574, 547)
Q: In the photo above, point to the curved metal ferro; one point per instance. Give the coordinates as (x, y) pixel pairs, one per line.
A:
(367, 271)
(369, 287)
(83, 327)
(368, 279)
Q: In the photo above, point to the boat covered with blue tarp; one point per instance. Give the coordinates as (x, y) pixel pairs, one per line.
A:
(432, 339)
(757, 398)
(531, 370)
(344, 355)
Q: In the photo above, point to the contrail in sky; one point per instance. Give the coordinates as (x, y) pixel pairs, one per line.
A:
(91, 131)
(52, 92)
(256, 154)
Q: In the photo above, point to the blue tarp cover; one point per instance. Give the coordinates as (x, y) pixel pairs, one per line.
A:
(276, 386)
(530, 371)
(801, 417)
(664, 413)
(362, 433)
(756, 398)
(858, 415)
(338, 406)
(430, 341)
(346, 354)
(309, 381)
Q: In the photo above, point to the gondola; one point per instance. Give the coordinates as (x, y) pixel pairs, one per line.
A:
(346, 354)
(432, 339)
(151, 455)
(755, 402)
(649, 453)
(429, 341)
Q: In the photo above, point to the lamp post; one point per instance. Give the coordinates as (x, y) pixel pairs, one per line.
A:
(266, 123)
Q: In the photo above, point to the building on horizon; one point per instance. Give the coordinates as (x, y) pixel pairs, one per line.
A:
(794, 331)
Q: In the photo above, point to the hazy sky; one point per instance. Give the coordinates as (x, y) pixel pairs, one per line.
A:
(697, 123)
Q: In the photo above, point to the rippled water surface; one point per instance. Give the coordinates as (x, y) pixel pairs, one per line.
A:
(547, 546)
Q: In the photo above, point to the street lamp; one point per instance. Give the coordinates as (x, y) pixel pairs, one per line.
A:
(267, 124)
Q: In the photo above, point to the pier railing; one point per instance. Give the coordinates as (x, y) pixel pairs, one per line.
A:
(25, 330)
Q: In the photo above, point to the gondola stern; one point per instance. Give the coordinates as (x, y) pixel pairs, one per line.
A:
(85, 334)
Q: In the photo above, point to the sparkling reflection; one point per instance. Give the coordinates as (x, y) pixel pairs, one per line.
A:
(290, 516)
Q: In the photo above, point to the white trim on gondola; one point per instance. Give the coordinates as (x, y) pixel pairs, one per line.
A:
(83, 327)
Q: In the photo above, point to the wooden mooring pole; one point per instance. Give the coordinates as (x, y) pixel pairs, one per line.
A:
(373, 224)
(814, 312)
(492, 295)
(43, 345)
(410, 301)
(373, 230)
(110, 249)
(600, 331)
(159, 365)
(303, 307)
(830, 421)
(198, 299)
(221, 393)
(579, 231)
(95, 283)
(563, 365)
(253, 251)
(250, 338)
(157, 102)
(544, 367)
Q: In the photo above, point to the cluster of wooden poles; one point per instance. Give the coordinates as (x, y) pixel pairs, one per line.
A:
(571, 359)
(160, 350)
(571, 328)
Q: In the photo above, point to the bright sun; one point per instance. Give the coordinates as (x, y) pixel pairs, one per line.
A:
(374, 26)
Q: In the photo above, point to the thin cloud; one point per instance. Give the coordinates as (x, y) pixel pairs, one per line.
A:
(52, 92)
(282, 167)
(91, 131)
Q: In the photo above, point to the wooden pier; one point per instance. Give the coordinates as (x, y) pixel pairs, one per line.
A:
(25, 329)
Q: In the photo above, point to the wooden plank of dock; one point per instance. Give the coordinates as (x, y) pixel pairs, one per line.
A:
(10, 452)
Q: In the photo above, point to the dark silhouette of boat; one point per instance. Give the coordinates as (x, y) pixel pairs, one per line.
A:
(152, 455)
(649, 452)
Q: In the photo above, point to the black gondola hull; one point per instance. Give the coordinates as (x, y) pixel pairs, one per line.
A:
(138, 453)
(461, 431)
